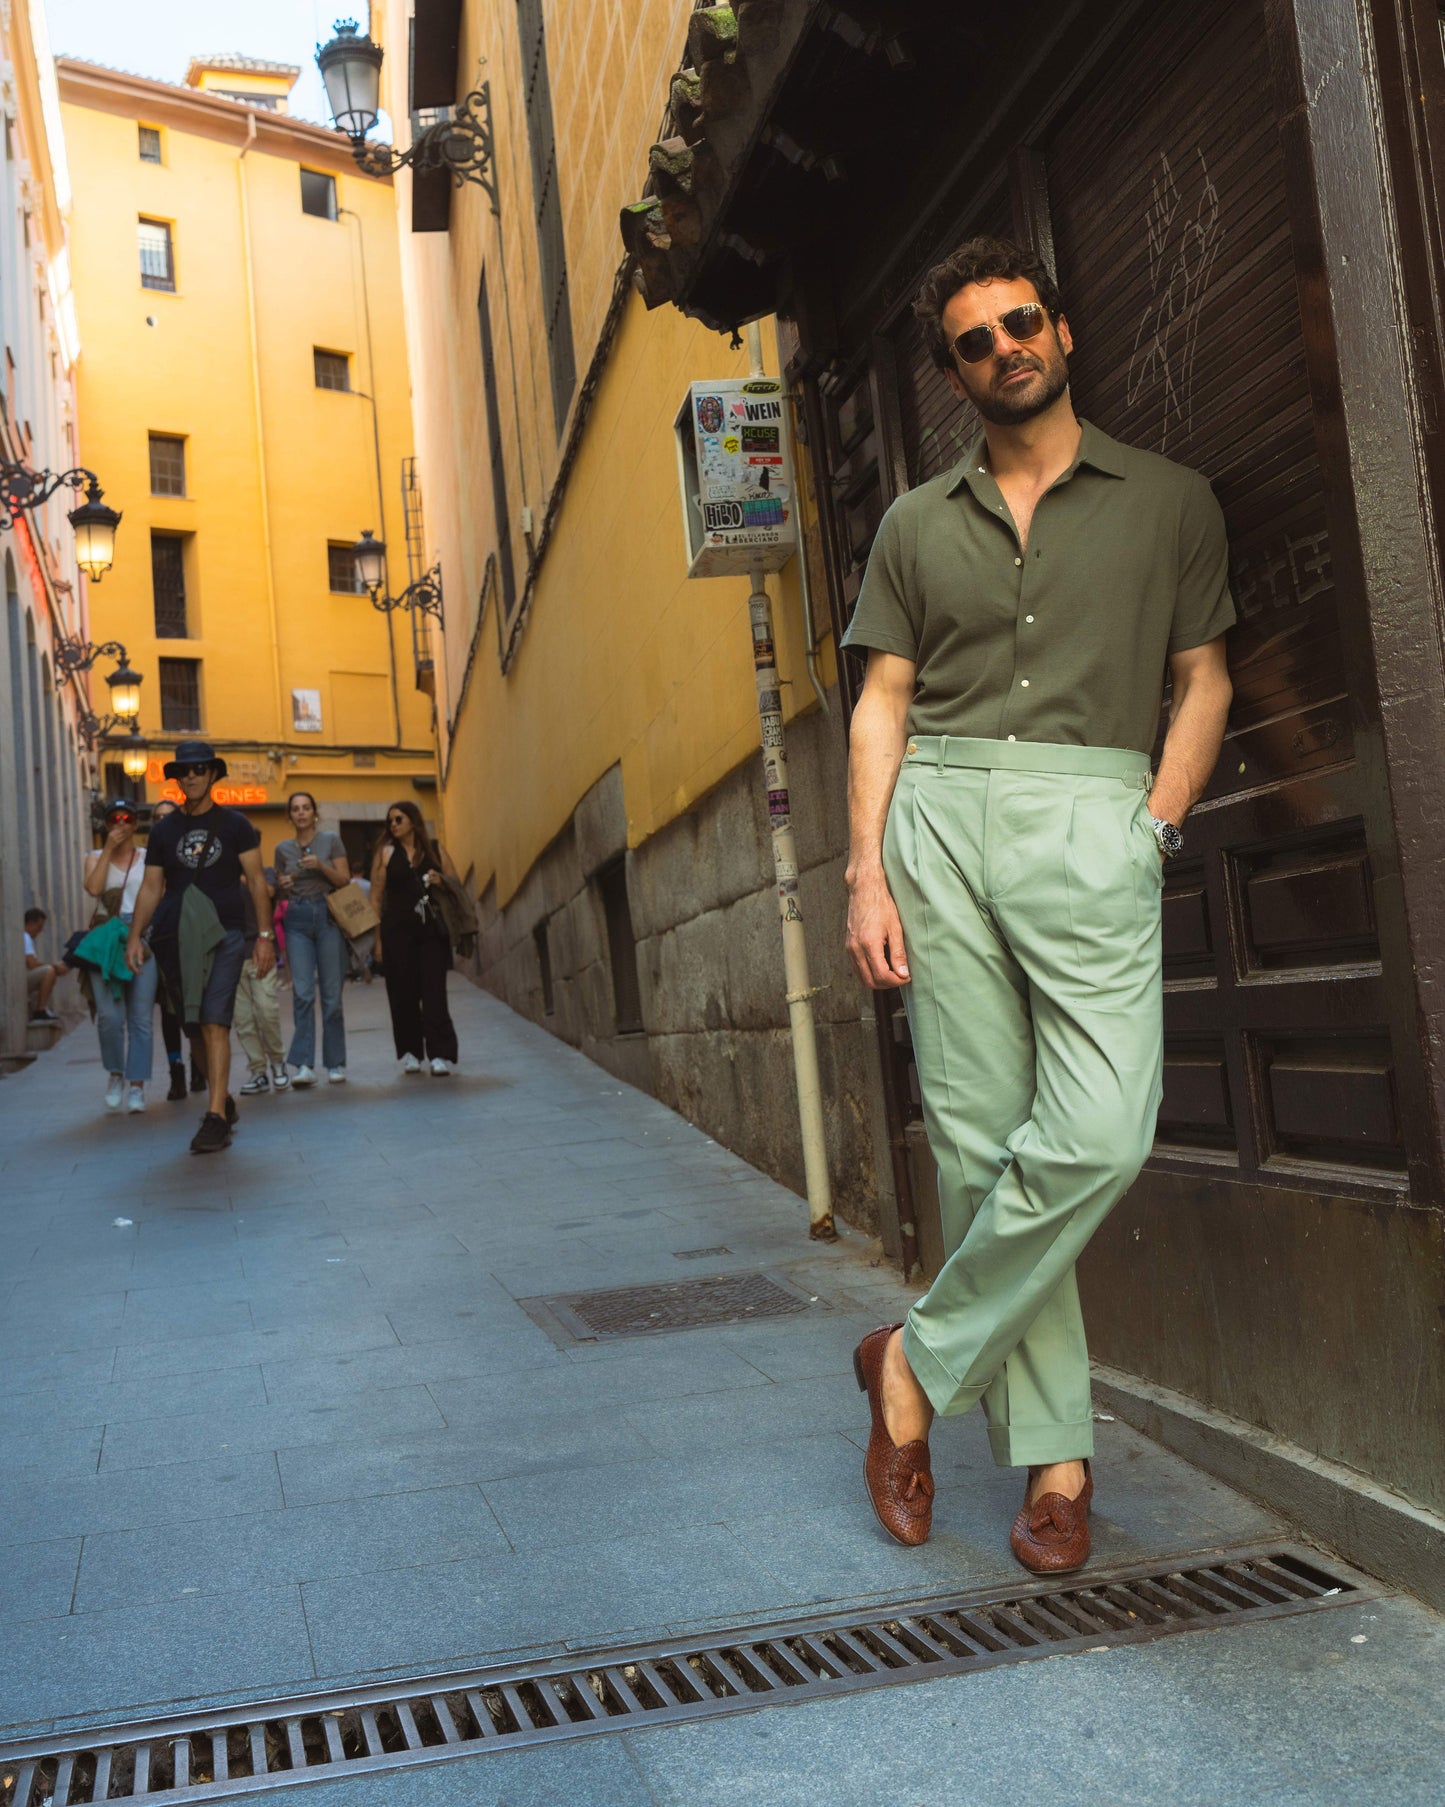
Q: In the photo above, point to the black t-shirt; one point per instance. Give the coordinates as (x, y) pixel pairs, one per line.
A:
(179, 843)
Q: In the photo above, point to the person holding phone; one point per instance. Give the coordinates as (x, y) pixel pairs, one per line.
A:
(309, 866)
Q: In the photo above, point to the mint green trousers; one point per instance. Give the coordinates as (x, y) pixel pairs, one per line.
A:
(1028, 883)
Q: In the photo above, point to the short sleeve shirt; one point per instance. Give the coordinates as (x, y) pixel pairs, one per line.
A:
(328, 848)
(202, 850)
(1063, 641)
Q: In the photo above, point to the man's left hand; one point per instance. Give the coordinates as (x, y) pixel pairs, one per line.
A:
(264, 958)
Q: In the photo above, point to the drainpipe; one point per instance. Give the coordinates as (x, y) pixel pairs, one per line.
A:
(282, 718)
(800, 993)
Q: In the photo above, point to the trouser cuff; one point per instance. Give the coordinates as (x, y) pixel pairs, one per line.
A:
(1034, 1445)
(945, 1394)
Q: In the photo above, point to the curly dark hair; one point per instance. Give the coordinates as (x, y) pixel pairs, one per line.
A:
(978, 260)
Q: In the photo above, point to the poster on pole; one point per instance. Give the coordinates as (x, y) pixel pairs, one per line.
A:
(735, 470)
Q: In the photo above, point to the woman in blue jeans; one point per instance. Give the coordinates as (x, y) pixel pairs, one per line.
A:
(309, 867)
(126, 1024)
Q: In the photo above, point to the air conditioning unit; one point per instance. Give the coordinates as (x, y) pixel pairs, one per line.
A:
(735, 472)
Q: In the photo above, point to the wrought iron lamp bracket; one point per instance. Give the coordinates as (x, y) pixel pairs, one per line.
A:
(22, 488)
(425, 595)
(461, 145)
(72, 656)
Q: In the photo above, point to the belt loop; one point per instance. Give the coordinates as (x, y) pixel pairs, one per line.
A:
(942, 749)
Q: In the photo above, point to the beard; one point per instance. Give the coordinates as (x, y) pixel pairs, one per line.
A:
(1019, 402)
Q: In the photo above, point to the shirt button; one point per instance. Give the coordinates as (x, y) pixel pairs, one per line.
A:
(1028, 617)
(1013, 736)
(1024, 682)
(1018, 561)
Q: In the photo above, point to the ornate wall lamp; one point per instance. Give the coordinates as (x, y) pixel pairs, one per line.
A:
(72, 656)
(350, 66)
(94, 523)
(425, 595)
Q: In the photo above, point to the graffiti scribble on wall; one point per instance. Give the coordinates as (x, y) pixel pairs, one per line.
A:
(1182, 236)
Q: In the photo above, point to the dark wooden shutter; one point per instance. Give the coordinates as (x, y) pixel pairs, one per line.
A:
(503, 514)
(1169, 216)
(551, 246)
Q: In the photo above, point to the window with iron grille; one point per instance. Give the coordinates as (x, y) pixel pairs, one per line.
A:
(547, 206)
(150, 143)
(499, 464)
(180, 694)
(157, 256)
(622, 947)
(168, 465)
(333, 369)
(341, 570)
(318, 194)
(168, 585)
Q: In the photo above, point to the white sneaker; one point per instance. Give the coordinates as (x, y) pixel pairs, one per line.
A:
(440, 1068)
(136, 1102)
(410, 1064)
(115, 1092)
(304, 1076)
(280, 1078)
(337, 1075)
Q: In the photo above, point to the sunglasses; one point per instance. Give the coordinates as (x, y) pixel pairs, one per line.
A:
(397, 821)
(194, 771)
(118, 816)
(1025, 322)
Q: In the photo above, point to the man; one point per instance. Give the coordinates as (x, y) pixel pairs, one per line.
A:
(40, 978)
(200, 863)
(1007, 844)
(258, 1010)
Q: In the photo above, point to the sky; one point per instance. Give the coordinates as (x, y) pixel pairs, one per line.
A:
(159, 37)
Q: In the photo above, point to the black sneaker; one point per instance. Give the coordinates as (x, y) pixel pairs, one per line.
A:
(43, 1016)
(257, 1085)
(213, 1135)
(198, 1084)
(233, 1116)
(177, 1093)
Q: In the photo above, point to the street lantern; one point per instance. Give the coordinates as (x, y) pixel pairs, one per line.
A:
(95, 524)
(369, 557)
(351, 69)
(124, 691)
(134, 757)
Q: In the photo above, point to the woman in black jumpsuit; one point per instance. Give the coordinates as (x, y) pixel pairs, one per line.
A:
(412, 941)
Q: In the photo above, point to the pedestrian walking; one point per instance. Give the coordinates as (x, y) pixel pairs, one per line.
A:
(171, 1034)
(1007, 845)
(412, 944)
(310, 866)
(362, 947)
(41, 976)
(199, 863)
(258, 1010)
(124, 1009)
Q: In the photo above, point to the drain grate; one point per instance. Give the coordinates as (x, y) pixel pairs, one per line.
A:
(674, 1305)
(697, 1254)
(206, 1756)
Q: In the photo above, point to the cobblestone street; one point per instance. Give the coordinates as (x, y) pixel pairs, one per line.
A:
(276, 1419)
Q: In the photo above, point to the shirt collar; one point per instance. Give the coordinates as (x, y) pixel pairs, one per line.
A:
(1096, 449)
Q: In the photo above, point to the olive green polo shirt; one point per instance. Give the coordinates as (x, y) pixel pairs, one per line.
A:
(1066, 641)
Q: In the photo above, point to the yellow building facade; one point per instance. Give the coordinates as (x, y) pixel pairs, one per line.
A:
(598, 719)
(244, 387)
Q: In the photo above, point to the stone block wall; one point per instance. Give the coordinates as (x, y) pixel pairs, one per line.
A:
(715, 1043)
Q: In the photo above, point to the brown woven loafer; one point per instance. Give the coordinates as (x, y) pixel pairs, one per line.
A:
(1051, 1536)
(899, 1477)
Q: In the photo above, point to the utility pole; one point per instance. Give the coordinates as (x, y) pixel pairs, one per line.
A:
(785, 868)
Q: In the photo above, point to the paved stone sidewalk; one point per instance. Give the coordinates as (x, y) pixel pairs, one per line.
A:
(275, 1419)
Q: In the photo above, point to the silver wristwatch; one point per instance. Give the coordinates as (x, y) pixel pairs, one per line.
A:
(1168, 837)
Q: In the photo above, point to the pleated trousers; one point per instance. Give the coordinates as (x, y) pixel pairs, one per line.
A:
(1028, 883)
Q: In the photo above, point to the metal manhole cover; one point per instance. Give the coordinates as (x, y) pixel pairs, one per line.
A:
(621, 1311)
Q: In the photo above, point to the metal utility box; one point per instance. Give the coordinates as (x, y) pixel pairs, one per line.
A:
(735, 472)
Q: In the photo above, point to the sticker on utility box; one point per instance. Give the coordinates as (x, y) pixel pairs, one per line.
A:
(735, 466)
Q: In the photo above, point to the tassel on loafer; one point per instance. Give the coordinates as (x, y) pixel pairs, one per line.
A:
(1051, 1536)
(899, 1477)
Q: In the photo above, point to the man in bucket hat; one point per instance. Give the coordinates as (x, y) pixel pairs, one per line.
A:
(200, 862)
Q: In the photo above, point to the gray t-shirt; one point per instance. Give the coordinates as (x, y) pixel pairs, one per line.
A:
(327, 847)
